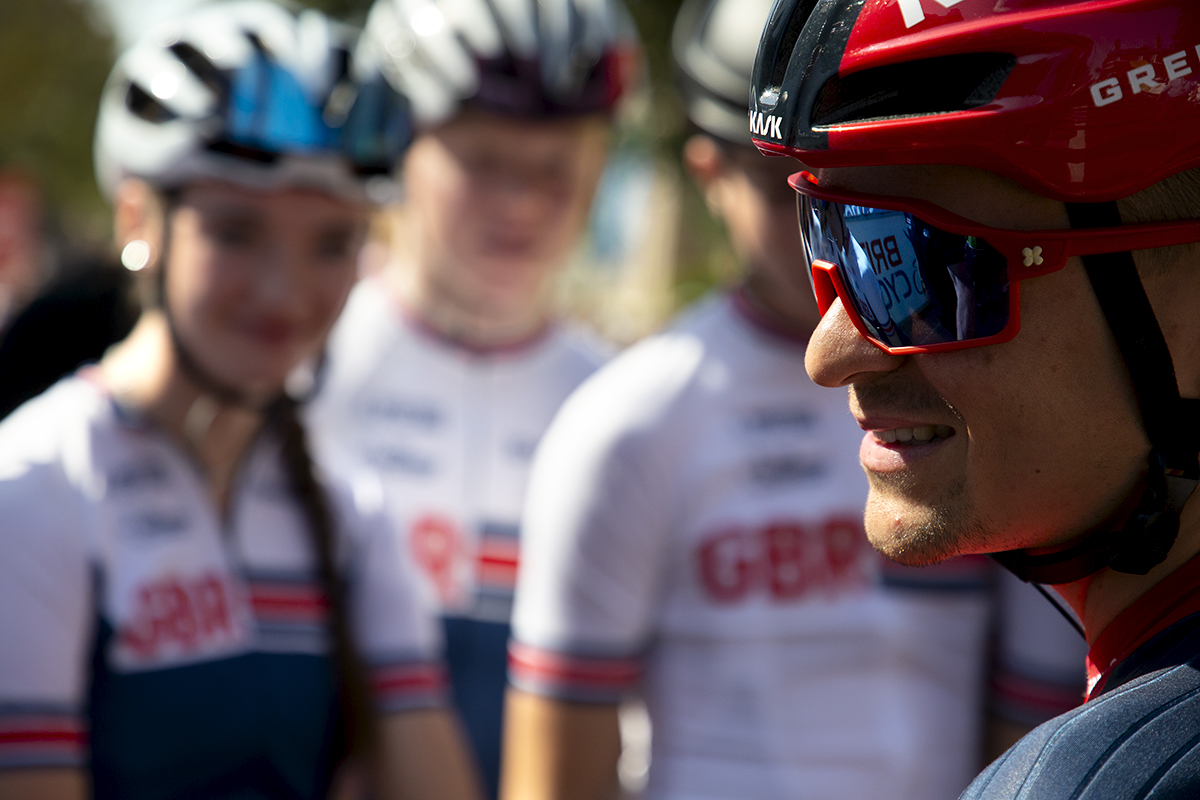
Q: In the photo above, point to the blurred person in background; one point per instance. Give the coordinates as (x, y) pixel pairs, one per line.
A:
(188, 608)
(20, 243)
(694, 535)
(448, 364)
(86, 304)
(75, 300)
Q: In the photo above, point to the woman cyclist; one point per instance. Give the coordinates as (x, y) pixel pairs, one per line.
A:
(187, 608)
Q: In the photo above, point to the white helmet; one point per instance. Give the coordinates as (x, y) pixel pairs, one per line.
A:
(533, 58)
(714, 44)
(247, 92)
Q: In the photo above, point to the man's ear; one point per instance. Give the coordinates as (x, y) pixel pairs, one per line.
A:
(138, 214)
(706, 163)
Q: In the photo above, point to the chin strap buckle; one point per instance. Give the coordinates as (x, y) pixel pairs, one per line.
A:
(1147, 537)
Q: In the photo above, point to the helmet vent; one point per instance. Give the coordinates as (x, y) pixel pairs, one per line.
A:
(142, 104)
(201, 67)
(795, 25)
(940, 85)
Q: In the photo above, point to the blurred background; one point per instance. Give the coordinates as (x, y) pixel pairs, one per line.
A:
(652, 246)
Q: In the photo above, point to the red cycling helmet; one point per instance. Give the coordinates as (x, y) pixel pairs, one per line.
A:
(1079, 100)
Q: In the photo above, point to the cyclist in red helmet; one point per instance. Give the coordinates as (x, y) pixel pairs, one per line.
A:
(1000, 209)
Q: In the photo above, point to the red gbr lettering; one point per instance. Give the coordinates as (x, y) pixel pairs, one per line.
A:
(725, 567)
(786, 560)
(180, 615)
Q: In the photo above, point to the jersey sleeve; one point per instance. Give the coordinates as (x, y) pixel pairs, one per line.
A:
(1039, 669)
(397, 636)
(595, 532)
(45, 618)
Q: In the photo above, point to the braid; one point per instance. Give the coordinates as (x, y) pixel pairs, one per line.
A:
(353, 692)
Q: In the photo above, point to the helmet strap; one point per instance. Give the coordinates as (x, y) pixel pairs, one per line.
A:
(210, 385)
(1172, 424)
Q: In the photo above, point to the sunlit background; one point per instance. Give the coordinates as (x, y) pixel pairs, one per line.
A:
(651, 248)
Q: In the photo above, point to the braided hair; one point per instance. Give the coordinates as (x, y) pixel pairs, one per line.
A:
(357, 714)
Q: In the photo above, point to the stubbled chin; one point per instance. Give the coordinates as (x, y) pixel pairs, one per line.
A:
(909, 534)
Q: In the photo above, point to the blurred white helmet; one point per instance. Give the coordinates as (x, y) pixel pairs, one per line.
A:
(714, 43)
(531, 58)
(247, 92)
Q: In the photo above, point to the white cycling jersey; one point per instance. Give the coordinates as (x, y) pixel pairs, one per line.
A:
(451, 432)
(124, 599)
(694, 532)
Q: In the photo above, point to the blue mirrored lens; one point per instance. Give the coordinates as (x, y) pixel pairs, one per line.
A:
(910, 282)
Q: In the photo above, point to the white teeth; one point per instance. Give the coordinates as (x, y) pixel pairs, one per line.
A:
(921, 435)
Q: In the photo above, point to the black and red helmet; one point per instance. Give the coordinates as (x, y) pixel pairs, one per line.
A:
(1079, 100)
(1083, 101)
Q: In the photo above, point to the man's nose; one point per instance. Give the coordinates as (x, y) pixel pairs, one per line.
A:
(838, 354)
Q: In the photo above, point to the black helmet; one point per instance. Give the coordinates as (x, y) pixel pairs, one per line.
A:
(714, 43)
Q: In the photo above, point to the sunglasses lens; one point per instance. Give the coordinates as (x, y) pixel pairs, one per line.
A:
(911, 283)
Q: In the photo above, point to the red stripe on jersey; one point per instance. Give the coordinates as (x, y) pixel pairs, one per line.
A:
(41, 737)
(543, 665)
(408, 679)
(290, 601)
(40, 732)
(497, 562)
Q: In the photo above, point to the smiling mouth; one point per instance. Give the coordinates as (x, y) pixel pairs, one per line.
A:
(913, 436)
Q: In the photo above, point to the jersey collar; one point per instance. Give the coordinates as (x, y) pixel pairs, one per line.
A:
(412, 319)
(1170, 600)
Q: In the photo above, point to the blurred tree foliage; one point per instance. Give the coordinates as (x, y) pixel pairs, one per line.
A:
(703, 257)
(54, 57)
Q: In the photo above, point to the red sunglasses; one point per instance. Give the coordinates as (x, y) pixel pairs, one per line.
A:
(916, 278)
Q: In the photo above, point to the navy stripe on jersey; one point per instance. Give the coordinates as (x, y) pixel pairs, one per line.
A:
(291, 612)
(406, 682)
(496, 571)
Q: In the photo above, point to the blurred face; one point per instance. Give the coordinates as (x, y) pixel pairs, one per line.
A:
(1029, 443)
(255, 280)
(499, 203)
(751, 195)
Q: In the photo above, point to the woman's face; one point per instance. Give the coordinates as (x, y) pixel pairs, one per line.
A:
(500, 201)
(254, 280)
